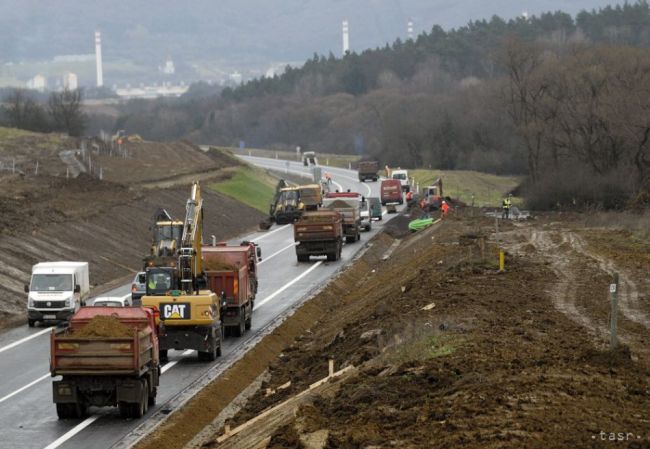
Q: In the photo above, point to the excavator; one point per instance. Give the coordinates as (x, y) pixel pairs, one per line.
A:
(266, 224)
(188, 315)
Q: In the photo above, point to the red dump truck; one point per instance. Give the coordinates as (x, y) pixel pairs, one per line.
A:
(107, 356)
(231, 271)
(318, 233)
(368, 170)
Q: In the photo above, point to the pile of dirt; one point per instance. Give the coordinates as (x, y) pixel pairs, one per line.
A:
(398, 227)
(106, 326)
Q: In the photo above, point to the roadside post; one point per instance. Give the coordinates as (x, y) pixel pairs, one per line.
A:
(502, 255)
(613, 293)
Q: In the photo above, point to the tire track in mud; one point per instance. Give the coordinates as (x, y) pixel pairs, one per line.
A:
(628, 290)
(564, 293)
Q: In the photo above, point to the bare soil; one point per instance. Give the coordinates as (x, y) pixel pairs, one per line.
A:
(454, 354)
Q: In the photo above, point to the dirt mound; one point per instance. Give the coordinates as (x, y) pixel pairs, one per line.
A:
(398, 227)
(104, 326)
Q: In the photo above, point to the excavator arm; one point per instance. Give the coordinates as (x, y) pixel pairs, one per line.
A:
(191, 241)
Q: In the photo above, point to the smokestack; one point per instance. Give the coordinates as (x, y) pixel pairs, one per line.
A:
(409, 29)
(346, 37)
(98, 58)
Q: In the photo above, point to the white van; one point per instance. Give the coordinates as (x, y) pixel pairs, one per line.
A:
(56, 291)
(403, 176)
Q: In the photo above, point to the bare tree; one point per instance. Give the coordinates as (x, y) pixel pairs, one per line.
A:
(24, 112)
(66, 111)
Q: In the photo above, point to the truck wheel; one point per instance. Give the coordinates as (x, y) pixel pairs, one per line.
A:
(303, 258)
(64, 411)
(162, 355)
(125, 409)
(349, 239)
(331, 257)
(249, 321)
(239, 330)
(358, 237)
(79, 409)
(31, 323)
(338, 252)
(152, 397)
(137, 408)
(145, 396)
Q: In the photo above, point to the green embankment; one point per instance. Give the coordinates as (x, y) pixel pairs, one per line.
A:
(250, 186)
(488, 190)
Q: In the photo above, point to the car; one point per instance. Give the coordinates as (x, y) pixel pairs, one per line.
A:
(375, 208)
(112, 301)
(138, 287)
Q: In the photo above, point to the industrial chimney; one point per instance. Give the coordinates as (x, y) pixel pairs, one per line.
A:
(346, 38)
(98, 58)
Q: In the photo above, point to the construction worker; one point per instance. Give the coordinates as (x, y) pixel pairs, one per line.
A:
(444, 207)
(409, 197)
(507, 202)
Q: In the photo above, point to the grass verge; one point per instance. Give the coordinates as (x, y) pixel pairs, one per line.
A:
(250, 186)
(487, 189)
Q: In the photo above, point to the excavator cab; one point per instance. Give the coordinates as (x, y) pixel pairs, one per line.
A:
(161, 280)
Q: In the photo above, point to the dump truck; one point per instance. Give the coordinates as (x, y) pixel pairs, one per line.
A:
(310, 196)
(368, 170)
(107, 356)
(319, 233)
(188, 314)
(231, 271)
(347, 204)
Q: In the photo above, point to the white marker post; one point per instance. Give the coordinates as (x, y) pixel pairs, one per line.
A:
(613, 292)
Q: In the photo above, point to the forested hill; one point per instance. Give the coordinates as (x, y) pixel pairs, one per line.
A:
(462, 52)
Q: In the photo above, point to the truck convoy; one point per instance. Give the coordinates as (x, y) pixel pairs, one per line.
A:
(188, 314)
(56, 291)
(368, 170)
(319, 233)
(231, 272)
(107, 357)
(347, 204)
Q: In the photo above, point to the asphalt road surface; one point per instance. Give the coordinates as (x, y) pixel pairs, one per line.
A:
(27, 413)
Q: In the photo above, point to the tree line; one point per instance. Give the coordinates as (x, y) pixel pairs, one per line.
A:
(60, 111)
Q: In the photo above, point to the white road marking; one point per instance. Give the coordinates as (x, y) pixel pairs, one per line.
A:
(72, 432)
(287, 285)
(170, 365)
(23, 340)
(266, 259)
(25, 387)
(270, 233)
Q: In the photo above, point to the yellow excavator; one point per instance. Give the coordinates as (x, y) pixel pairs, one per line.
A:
(187, 314)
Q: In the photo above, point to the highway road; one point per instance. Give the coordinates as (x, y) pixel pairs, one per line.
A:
(27, 413)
